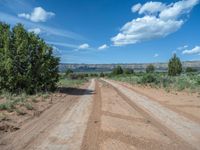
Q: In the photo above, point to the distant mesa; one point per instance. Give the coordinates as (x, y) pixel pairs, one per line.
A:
(108, 67)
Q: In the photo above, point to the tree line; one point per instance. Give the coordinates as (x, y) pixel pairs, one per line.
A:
(27, 63)
(174, 68)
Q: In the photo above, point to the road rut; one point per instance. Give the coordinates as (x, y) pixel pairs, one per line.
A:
(188, 130)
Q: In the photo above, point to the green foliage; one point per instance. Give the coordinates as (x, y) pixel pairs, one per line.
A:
(102, 74)
(189, 82)
(27, 62)
(128, 71)
(68, 71)
(66, 82)
(150, 68)
(190, 69)
(148, 78)
(117, 70)
(174, 66)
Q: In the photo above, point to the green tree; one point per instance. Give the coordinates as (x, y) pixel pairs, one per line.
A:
(20, 58)
(117, 70)
(174, 66)
(150, 68)
(27, 62)
(5, 59)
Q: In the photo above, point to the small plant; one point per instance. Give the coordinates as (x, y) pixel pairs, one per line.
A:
(20, 112)
(29, 106)
(2, 117)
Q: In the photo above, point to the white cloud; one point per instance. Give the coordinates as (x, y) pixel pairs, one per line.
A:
(152, 7)
(195, 50)
(84, 46)
(38, 15)
(175, 10)
(67, 45)
(159, 20)
(146, 28)
(51, 31)
(104, 46)
(182, 47)
(136, 7)
(156, 55)
(35, 30)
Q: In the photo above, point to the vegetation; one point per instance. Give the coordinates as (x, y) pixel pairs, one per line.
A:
(174, 66)
(128, 71)
(68, 71)
(118, 70)
(173, 79)
(190, 69)
(150, 68)
(27, 62)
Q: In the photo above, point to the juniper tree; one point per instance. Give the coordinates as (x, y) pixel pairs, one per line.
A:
(27, 62)
(174, 66)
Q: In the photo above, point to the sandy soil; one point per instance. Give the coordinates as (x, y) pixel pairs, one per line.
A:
(50, 126)
(184, 103)
(186, 131)
(110, 116)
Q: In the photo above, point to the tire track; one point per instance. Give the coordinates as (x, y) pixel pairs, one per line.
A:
(136, 101)
(91, 136)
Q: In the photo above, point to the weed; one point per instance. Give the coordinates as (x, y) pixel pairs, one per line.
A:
(20, 112)
(29, 106)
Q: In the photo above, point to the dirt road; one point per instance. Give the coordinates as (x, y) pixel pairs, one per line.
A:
(107, 116)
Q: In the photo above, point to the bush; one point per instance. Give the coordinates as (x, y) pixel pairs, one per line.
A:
(148, 78)
(117, 70)
(190, 69)
(101, 74)
(174, 66)
(128, 71)
(150, 68)
(68, 71)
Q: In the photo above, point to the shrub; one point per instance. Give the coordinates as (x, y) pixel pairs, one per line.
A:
(150, 68)
(101, 74)
(128, 71)
(148, 78)
(68, 71)
(117, 70)
(174, 66)
(190, 69)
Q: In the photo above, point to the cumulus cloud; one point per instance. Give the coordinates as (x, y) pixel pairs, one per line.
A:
(38, 15)
(195, 50)
(175, 10)
(156, 55)
(104, 46)
(146, 28)
(136, 7)
(159, 20)
(151, 8)
(35, 30)
(84, 46)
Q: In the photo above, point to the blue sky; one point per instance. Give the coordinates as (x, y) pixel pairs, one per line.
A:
(110, 31)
